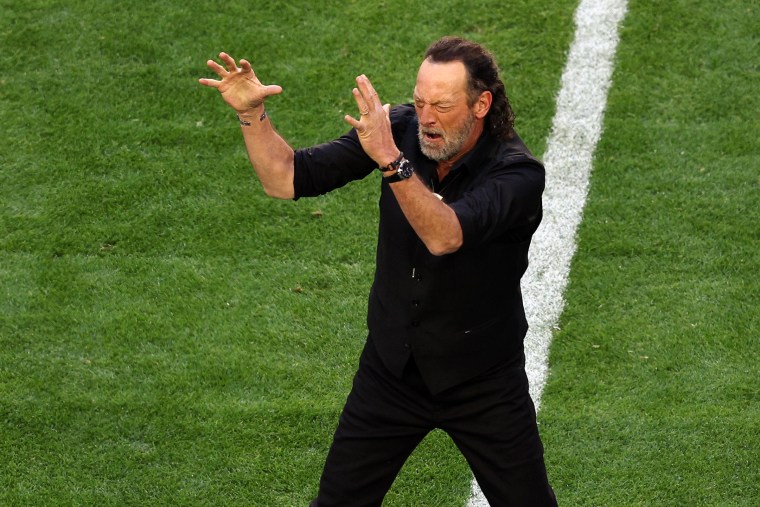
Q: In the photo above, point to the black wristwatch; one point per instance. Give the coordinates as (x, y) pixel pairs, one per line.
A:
(404, 170)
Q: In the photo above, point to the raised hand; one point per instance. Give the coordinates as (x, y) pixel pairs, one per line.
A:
(239, 86)
(374, 123)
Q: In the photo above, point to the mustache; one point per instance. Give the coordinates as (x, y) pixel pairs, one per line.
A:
(428, 131)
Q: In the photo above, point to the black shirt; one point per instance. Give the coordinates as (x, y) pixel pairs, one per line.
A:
(457, 314)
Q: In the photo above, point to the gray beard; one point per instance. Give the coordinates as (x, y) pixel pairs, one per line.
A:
(452, 144)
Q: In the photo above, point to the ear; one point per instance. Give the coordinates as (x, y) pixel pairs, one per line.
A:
(482, 105)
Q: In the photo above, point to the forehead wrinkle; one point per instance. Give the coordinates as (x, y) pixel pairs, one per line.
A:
(446, 98)
(440, 82)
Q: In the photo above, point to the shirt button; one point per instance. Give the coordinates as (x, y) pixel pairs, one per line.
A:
(415, 323)
(407, 346)
(415, 303)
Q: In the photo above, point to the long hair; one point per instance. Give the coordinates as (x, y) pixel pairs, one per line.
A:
(483, 75)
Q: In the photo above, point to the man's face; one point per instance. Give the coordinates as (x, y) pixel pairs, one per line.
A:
(448, 125)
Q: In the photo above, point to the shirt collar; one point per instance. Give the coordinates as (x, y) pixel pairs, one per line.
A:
(476, 156)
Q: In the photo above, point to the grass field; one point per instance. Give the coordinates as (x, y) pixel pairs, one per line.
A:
(654, 393)
(170, 336)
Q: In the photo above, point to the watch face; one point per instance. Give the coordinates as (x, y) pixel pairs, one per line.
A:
(405, 169)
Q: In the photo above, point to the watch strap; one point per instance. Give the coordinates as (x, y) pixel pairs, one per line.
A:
(393, 178)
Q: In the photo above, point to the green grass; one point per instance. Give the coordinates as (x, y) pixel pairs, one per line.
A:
(653, 395)
(168, 335)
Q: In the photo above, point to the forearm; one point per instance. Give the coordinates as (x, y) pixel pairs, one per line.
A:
(270, 155)
(435, 223)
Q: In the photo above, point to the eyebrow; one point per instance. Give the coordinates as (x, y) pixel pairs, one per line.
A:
(443, 102)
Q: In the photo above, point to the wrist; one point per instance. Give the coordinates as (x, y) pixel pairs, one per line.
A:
(392, 164)
(252, 110)
(249, 116)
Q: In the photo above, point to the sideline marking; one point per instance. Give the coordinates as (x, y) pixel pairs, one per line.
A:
(575, 132)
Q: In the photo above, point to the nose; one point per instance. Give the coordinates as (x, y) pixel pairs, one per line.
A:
(426, 116)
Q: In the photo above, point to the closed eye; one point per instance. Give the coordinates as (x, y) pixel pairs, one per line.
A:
(440, 107)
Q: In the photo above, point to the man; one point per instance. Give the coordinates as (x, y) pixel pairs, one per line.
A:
(460, 198)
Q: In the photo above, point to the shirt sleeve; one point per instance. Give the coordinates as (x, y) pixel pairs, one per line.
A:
(505, 206)
(331, 165)
(325, 167)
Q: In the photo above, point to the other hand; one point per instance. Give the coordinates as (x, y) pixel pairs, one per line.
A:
(239, 86)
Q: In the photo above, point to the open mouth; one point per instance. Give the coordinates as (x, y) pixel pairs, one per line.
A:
(432, 136)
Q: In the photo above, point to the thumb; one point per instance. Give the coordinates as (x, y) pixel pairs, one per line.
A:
(272, 90)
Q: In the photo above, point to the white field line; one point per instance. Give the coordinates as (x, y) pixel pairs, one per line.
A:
(576, 130)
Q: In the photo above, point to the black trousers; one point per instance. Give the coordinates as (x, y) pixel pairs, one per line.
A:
(491, 419)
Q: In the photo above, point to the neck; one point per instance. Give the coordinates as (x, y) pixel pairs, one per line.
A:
(445, 166)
